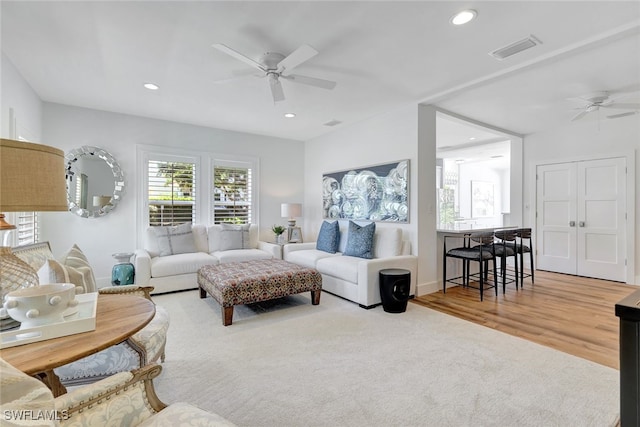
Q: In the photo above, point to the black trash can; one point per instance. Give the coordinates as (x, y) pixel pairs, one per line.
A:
(395, 286)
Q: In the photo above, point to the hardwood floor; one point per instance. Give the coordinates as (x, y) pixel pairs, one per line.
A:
(572, 314)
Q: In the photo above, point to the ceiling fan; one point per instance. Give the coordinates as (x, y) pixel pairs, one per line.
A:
(598, 100)
(275, 66)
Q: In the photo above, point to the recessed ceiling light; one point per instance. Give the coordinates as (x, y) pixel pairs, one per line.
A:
(289, 115)
(472, 138)
(463, 17)
(151, 86)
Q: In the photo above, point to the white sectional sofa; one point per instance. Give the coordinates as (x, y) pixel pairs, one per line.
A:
(355, 278)
(178, 271)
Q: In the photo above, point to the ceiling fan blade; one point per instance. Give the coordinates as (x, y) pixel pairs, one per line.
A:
(297, 57)
(580, 115)
(311, 81)
(247, 72)
(238, 56)
(632, 106)
(276, 88)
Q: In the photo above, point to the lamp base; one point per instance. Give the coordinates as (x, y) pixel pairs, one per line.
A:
(292, 222)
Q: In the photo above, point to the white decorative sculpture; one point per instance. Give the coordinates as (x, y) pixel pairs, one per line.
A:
(40, 305)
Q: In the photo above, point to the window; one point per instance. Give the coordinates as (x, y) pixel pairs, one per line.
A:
(232, 194)
(171, 192)
(178, 186)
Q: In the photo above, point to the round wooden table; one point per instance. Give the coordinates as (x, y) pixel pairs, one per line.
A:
(118, 317)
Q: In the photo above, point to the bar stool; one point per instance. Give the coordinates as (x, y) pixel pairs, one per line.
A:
(505, 247)
(525, 234)
(481, 253)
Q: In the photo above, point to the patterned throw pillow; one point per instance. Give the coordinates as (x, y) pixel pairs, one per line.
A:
(177, 239)
(360, 240)
(234, 237)
(73, 267)
(328, 237)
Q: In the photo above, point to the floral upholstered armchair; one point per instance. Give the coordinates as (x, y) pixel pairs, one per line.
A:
(124, 399)
(144, 347)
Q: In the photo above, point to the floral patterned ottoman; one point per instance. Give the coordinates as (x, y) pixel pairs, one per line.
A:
(247, 282)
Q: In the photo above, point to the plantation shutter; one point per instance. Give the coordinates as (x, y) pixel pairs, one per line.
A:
(27, 228)
(232, 198)
(171, 192)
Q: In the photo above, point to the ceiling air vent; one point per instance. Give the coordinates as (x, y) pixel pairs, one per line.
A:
(513, 48)
(333, 122)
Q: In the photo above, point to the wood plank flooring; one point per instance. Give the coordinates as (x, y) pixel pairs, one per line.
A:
(572, 314)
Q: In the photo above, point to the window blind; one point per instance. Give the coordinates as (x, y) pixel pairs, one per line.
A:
(232, 198)
(171, 192)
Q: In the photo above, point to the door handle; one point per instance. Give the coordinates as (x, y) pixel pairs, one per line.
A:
(581, 223)
(572, 223)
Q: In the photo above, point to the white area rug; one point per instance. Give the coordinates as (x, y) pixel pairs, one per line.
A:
(288, 363)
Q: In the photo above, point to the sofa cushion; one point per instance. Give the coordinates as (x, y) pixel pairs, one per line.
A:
(173, 240)
(76, 259)
(328, 237)
(342, 267)
(308, 257)
(387, 242)
(240, 255)
(180, 264)
(360, 240)
(213, 232)
(55, 272)
(234, 237)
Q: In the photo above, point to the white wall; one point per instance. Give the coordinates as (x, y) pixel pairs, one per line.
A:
(18, 96)
(386, 138)
(577, 141)
(65, 127)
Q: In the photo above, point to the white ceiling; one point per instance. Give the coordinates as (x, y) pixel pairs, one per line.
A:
(382, 54)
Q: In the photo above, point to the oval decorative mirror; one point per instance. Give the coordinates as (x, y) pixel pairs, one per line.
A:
(95, 182)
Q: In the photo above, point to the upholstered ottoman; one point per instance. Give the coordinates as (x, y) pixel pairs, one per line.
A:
(236, 283)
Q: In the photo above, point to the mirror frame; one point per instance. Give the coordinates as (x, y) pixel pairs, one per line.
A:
(118, 178)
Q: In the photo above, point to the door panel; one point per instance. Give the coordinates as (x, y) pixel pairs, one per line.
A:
(556, 206)
(601, 216)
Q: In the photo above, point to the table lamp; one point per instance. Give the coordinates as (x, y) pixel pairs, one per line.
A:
(291, 211)
(31, 180)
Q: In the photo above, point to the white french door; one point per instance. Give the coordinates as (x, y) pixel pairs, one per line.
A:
(581, 218)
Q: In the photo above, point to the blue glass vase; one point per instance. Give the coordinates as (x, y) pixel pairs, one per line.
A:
(123, 273)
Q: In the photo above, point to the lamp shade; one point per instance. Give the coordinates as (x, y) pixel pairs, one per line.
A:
(291, 210)
(31, 177)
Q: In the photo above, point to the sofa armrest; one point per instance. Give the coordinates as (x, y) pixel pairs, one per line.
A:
(129, 394)
(292, 247)
(272, 248)
(369, 279)
(142, 265)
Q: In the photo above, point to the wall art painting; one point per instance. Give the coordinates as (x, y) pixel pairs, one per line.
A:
(375, 193)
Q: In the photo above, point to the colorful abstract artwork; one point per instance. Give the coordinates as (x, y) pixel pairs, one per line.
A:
(375, 193)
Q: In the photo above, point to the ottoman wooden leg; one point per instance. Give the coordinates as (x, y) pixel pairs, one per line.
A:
(203, 293)
(315, 297)
(227, 315)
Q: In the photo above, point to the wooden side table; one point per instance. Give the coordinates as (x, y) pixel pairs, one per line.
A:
(118, 317)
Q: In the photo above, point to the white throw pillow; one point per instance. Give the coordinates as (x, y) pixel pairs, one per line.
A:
(73, 267)
(177, 239)
(234, 237)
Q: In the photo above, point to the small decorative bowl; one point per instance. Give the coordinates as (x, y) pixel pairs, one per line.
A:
(40, 305)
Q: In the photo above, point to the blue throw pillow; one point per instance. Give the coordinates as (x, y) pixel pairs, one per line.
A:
(360, 240)
(328, 237)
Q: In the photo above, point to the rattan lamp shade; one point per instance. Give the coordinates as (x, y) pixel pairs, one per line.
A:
(31, 177)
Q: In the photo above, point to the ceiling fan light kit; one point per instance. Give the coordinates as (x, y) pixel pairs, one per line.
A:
(275, 65)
